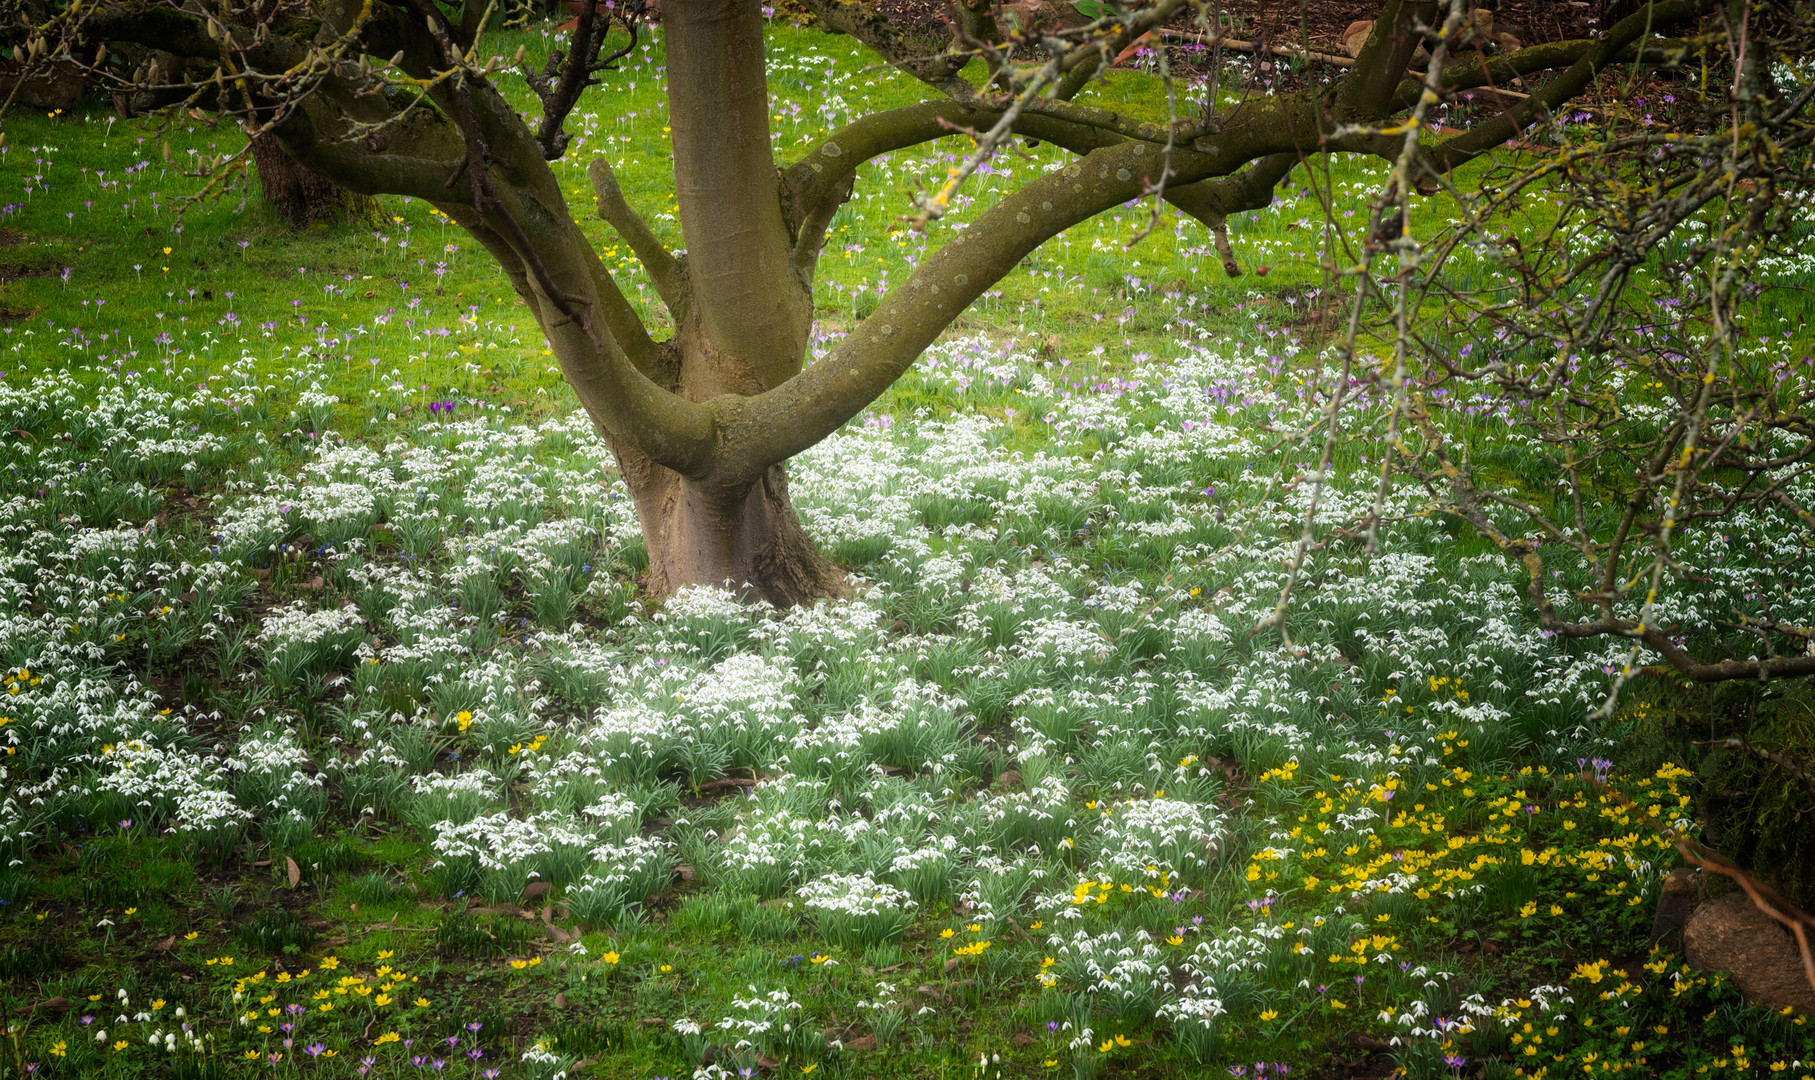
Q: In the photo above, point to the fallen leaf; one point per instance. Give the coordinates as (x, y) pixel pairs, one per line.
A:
(293, 870)
(862, 1042)
(535, 890)
(560, 1001)
(166, 945)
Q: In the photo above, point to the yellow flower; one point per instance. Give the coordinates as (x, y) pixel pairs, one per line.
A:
(119, 1046)
(973, 928)
(132, 911)
(1334, 1004)
(1269, 1014)
(819, 958)
(421, 1003)
(157, 1004)
(666, 968)
(1175, 940)
(610, 957)
(1123, 1040)
(387, 1037)
(382, 1000)
(519, 964)
(947, 932)
(805, 1069)
(192, 935)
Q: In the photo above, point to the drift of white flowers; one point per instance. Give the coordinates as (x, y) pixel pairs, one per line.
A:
(1041, 656)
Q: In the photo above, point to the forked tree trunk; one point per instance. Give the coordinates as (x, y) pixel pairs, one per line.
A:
(750, 541)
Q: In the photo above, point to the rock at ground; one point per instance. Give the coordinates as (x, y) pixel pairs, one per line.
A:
(60, 85)
(1675, 904)
(1731, 935)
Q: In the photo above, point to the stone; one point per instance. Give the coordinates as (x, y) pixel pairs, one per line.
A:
(61, 85)
(1675, 903)
(1732, 935)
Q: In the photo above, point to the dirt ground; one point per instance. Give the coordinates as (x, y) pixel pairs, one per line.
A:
(1323, 21)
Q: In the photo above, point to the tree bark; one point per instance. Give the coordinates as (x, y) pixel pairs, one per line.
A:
(748, 540)
(303, 196)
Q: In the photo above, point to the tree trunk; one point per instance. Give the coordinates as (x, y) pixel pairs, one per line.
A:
(749, 541)
(301, 195)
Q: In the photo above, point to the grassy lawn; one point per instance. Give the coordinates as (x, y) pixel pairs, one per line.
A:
(339, 739)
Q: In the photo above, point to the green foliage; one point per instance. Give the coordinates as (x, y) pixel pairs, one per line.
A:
(1761, 811)
(276, 932)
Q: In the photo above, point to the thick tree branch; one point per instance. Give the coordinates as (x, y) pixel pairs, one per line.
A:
(786, 420)
(1212, 201)
(1366, 91)
(664, 270)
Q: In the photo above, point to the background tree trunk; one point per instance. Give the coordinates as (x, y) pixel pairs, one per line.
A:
(303, 196)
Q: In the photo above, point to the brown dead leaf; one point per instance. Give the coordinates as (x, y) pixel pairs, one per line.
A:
(560, 1001)
(293, 871)
(862, 1042)
(534, 891)
(166, 945)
